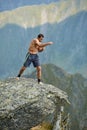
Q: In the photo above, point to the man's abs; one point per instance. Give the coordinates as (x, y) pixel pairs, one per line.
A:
(33, 52)
(33, 49)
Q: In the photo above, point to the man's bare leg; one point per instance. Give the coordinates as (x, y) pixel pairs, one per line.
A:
(39, 73)
(21, 71)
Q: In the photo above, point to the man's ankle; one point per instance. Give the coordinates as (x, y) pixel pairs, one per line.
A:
(18, 75)
(39, 80)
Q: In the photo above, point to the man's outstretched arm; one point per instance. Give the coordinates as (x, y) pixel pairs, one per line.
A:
(43, 44)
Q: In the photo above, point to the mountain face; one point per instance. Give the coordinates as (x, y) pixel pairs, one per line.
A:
(68, 51)
(76, 88)
(25, 104)
(32, 16)
(70, 45)
(17, 3)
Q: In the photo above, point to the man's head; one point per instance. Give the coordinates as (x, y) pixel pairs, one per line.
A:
(40, 37)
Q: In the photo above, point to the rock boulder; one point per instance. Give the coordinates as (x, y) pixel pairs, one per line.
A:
(25, 104)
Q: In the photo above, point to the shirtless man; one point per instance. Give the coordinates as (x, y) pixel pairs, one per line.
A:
(32, 57)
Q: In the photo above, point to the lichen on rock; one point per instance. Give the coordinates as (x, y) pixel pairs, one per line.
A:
(43, 126)
(24, 104)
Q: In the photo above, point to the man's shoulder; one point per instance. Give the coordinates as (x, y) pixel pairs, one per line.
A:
(36, 40)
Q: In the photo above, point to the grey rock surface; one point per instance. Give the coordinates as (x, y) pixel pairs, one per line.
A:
(24, 103)
(75, 85)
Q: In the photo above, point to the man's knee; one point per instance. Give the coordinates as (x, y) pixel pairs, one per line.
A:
(23, 68)
(39, 68)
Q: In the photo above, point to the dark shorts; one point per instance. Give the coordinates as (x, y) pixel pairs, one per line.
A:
(31, 58)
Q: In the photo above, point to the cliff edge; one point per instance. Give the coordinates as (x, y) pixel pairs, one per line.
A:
(25, 104)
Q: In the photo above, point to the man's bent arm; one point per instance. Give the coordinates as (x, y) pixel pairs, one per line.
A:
(44, 44)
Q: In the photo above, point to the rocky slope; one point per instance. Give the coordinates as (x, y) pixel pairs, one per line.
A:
(75, 86)
(24, 104)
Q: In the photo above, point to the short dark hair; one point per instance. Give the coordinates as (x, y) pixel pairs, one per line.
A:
(40, 35)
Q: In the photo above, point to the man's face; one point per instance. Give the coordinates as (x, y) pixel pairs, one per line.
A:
(40, 39)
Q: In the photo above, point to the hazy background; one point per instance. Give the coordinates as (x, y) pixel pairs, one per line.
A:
(65, 23)
(62, 21)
